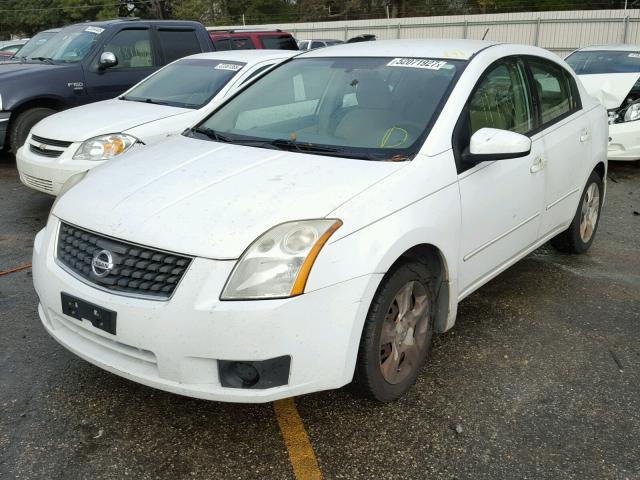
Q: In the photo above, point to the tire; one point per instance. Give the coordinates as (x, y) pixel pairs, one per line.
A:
(20, 128)
(580, 234)
(376, 375)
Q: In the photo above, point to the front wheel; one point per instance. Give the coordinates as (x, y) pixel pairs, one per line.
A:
(580, 234)
(397, 334)
(23, 124)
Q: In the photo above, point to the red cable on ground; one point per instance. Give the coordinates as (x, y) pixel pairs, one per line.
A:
(16, 269)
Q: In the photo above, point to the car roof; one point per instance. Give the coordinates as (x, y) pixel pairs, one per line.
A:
(433, 48)
(105, 23)
(622, 47)
(247, 56)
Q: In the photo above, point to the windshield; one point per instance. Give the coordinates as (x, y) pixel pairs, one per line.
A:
(70, 45)
(371, 108)
(36, 42)
(593, 62)
(188, 83)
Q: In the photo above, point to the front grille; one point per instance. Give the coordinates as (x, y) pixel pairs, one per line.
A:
(47, 147)
(136, 271)
(49, 141)
(45, 152)
(37, 183)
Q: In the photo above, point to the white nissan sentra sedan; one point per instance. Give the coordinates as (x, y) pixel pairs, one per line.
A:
(611, 73)
(322, 224)
(73, 141)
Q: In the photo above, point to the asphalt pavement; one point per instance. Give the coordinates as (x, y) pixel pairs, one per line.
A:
(539, 379)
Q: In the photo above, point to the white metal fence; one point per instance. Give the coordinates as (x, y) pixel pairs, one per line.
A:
(559, 31)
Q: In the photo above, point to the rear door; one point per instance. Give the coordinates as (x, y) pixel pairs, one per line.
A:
(137, 57)
(502, 200)
(177, 42)
(566, 135)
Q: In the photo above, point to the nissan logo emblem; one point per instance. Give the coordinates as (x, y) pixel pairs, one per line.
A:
(102, 263)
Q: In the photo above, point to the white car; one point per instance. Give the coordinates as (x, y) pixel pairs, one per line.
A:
(323, 223)
(174, 98)
(611, 73)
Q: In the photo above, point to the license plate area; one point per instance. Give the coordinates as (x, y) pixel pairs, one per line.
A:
(101, 318)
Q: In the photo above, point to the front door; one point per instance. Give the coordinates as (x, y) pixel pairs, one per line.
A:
(501, 201)
(137, 59)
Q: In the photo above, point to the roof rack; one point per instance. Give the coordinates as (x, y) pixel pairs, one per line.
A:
(244, 30)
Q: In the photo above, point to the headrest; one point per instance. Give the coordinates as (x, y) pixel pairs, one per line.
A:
(372, 91)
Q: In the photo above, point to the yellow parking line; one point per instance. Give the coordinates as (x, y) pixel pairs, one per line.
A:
(303, 459)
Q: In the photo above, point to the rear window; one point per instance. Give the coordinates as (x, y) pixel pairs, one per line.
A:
(178, 43)
(282, 42)
(601, 61)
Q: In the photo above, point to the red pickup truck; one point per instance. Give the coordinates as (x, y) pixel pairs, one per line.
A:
(248, 39)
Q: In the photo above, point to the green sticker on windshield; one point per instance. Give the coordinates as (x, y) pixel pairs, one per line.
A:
(417, 63)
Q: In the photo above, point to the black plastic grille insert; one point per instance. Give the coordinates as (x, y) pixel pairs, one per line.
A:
(137, 270)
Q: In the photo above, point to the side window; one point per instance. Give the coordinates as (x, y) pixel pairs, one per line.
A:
(502, 101)
(242, 44)
(178, 43)
(221, 45)
(132, 48)
(317, 45)
(555, 94)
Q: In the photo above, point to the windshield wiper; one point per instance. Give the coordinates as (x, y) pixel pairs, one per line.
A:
(210, 133)
(43, 59)
(144, 100)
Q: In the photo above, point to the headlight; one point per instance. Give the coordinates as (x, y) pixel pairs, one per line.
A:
(105, 147)
(278, 263)
(632, 113)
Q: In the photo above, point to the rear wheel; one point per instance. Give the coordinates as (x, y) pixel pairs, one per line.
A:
(580, 234)
(397, 335)
(23, 124)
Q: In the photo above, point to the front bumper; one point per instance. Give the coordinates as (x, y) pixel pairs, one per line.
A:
(47, 174)
(175, 345)
(4, 128)
(624, 141)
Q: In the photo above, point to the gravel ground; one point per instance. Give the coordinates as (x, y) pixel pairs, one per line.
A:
(539, 379)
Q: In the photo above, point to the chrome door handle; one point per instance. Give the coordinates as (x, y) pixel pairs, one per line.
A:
(537, 165)
(584, 135)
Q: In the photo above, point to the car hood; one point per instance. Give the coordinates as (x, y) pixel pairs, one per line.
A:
(209, 199)
(610, 89)
(109, 116)
(16, 69)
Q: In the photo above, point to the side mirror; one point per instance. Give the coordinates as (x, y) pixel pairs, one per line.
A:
(494, 144)
(107, 60)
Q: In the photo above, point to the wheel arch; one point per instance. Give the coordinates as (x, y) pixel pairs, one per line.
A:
(435, 260)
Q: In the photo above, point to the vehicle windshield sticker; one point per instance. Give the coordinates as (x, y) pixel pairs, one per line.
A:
(417, 63)
(96, 30)
(228, 66)
(634, 55)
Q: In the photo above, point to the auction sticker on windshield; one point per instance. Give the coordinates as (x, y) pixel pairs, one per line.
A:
(228, 66)
(417, 63)
(96, 30)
